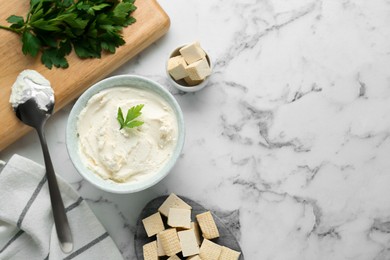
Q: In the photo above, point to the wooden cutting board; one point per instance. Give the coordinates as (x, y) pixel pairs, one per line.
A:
(68, 84)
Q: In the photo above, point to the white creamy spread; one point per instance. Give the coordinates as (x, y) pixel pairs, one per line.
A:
(28, 84)
(129, 154)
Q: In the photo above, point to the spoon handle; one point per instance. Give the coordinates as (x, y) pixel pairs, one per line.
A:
(60, 219)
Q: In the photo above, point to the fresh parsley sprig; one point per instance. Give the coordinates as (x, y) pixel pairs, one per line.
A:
(54, 27)
(132, 114)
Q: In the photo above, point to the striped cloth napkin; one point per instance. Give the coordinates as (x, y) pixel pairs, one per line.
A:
(26, 224)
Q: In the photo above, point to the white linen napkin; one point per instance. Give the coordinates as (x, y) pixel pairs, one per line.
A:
(26, 220)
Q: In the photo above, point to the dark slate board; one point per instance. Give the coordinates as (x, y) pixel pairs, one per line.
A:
(140, 238)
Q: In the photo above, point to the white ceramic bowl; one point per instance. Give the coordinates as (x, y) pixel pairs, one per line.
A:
(72, 138)
(181, 84)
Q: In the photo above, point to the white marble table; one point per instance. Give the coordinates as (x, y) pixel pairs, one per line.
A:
(290, 141)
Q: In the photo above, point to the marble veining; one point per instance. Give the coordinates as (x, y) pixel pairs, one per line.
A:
(288, 144)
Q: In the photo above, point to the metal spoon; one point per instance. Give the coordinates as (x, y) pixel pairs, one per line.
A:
(32, 114)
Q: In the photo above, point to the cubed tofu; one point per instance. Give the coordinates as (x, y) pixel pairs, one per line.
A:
(195, 227)
(207, 225)
(195, 257)
(188, 243)
(177, 67)
(198, 70)
(172, 201)
(150, 251)
(174, 257)
(170, 241)
(191, 82)
(180, 218)
(160, 249)
(192, 52)
(153, 224)
(210, 250)
(229, 254)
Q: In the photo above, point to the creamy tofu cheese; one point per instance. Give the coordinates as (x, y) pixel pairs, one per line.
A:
(31, 84)
(129, 154)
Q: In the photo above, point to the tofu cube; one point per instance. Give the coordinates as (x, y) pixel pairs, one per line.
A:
(177, 67)
(207, 225)
(229, 254)
(160, 249)
(170, 241)
(192, 52)
(174, 257)
(210, 250)
(188, 243)
(198, 70)
(195, 257)
(195, 228)
(153, 224)
(191, 82)
(172, 201)
(150, 251)
(180, 218)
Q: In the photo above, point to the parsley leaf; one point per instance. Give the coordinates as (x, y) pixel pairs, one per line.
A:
(55, 27)
(17, 21)
(53, 57)
(31, 44)
(132, 114)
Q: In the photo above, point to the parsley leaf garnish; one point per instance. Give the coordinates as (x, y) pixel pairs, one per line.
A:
(132, 114)
(55, 27)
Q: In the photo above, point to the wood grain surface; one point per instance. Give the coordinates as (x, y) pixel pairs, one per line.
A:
(68, 84)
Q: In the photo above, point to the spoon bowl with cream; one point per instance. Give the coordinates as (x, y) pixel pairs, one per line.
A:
(122, 159)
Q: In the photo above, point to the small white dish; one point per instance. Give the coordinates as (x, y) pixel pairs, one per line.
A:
(181, 84)
(131, 81)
